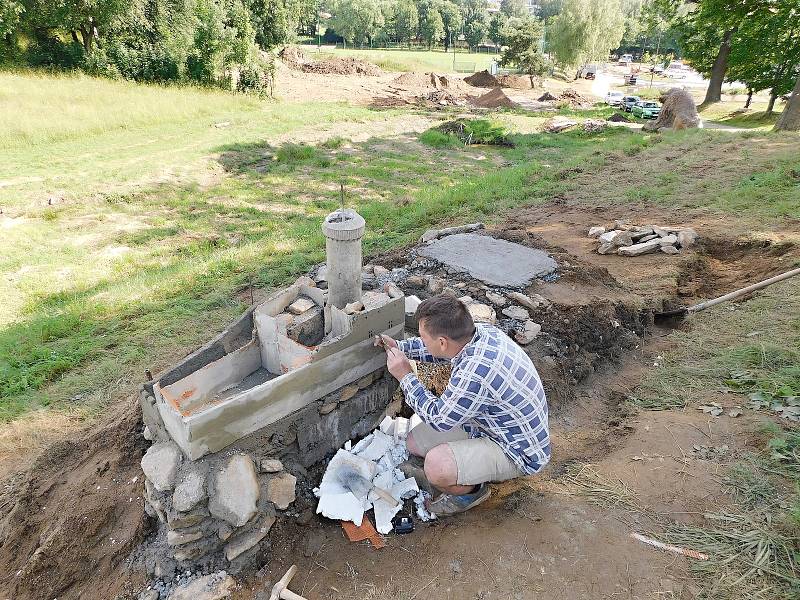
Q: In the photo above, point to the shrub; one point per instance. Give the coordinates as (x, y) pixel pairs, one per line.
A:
(439, 139)
(295, 153)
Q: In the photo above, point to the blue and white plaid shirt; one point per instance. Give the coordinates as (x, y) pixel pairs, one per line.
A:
(494, 391)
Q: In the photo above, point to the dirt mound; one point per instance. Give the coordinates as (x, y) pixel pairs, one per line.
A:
(342, 66)
(619, 118)
(424, 80)
(483, 79)
(444, 98)
(516, 82)
(71, 520)
(547, 96)
(678, 111)
(292, 57)
(494, 99)
(575, 99)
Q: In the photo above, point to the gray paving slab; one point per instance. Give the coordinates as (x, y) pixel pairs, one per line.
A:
(495, 262)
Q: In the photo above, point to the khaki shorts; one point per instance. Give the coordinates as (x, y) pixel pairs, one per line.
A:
(477, 459)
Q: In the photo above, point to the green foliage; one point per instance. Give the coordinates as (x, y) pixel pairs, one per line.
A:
(405, 21)
(357, 21)
(586, 31)
(295, 153)
(513, 8)
(333, 143)
(452, 20)
(439, 139)
(474, 131)
(431, 25)
(497, 24)
(10, 12)
(523, 38)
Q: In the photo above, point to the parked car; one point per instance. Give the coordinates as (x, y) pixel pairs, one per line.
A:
(646, 109)
(626, 59)
(587, 72)
(657, 69)
(628, 102)
(614, 98)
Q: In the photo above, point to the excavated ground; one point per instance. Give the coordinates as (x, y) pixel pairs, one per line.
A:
(74, 519)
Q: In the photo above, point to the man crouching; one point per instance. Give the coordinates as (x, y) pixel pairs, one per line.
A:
(490, 424)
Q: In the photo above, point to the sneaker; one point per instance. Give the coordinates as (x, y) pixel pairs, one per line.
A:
(450, 504)
(413, 468)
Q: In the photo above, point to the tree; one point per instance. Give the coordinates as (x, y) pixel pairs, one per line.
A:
(496, 25)
(523, 40)
(357, 21)
(790, 118)
(84, 20)
(452, 21)
(513, 8)
(586, 31)
(406, 21)
(475, 22)
(431, 26)
(549, 8)
(10, 11)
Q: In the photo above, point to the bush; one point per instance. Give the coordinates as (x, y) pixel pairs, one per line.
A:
(51, 52)
(98, 64)
(295, 153)
(254, 78)
(439, 139)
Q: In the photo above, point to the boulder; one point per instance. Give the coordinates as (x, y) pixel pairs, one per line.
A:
(639, 249)
(160, 465)
(669, 240)
(281, 490)
(516, 312)
(236, 491)
(678, 111)
(482, 313)
(670, 250)
(617, 237)
(606, 248)
(189, 491)
(687, 237)
(416, 281)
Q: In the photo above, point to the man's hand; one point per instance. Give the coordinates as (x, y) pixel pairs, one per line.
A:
(385, 342)
(397, 363)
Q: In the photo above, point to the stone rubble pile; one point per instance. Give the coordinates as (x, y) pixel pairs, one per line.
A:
(634, 240)
(223, 507)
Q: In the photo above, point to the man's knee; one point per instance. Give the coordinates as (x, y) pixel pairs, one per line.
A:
(411, 444)
(440, 466)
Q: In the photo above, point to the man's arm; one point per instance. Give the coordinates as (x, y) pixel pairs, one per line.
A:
(460, 402)
(415, 349)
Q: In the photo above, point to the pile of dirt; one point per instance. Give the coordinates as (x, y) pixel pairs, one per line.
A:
(342, 66)
(494, 99)
(483, 79)
(516, 82)
(547, 96)
(71, 521)
(619, 118)
(574, 99)
(292, 57)
(444, 98)
(678, 111)
(412, 79)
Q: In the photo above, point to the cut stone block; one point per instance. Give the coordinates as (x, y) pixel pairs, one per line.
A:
(236, 491)
(516, 312)
(493, 261)
(301, 305)
(160, 465)
(639, 249)
(308, 328)
(189, 491)
(244, 542)
(281, 490)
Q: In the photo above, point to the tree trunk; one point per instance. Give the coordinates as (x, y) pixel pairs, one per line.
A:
(749, 97)
(773, 95)
(790, 118)
(714, 91)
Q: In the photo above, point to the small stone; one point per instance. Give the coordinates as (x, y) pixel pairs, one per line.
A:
(416, 281)
(669, 240)
(687, 237)
(305, 517)
(224, 531)
(429, 235)
(393, 291)
(378, 270)
(189, 491)
(595, 232)
(638, 249)
(647, 238)
(365, 381)
(621, 224)
(449, 291)
(148, 595)
(177, 538)
(147, 434)
(435, 285)
(516, 312)
(328, 407)
(176, 521)
(190, 553)
(660, 232)
(606, 248)
(271, 465)
(529, 332)
(322, 274)
(369, 269)
(236, 491)
(534, 302)
(244, 542)
(301, 305)
(482, 313)
(353, 307)
(209, 587)
(670, 250)
(160, 465)
(496, 299)
(281, 490)
(348, 392)
(373, 300)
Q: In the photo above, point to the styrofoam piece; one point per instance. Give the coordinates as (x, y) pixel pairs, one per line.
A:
(348, 445)
(377, 447)
(362, 444)
(384, 480)
(330, 483)
(414, 421)
(405, 489)
(422, 512)
(401, 428)
(384, 513)
(344, 506)
(387, 425)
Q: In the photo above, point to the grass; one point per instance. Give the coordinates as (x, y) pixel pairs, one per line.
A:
(396, 59)
(735, 115)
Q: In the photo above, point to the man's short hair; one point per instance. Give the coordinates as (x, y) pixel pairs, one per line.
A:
(445, 315)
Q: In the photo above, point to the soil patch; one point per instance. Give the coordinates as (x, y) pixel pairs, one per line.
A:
(517, 82)
(483, 79)
(494, 99)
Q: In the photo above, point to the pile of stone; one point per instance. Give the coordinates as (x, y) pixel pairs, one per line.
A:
(634, 240)
(444, 98)
(594, 125)
(558, 124)
(215, 509)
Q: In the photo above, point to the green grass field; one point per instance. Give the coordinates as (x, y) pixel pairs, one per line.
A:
(395, 59)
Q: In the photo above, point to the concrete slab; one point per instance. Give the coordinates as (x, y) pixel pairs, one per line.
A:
(493, 261)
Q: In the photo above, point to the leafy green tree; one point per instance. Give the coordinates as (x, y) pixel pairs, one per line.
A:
(523, 40)
(357, 21)
(513, 8)
(586, 31)
(496, 25)
(86, 21)
(549, 8)
(406, 21)
(476, 25)
(452, 20)
(10, 11)
(431, 25)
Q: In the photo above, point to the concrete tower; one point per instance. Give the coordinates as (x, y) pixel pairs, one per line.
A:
(343, 231)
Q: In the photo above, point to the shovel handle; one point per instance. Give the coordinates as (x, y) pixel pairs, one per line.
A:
(384, 495)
